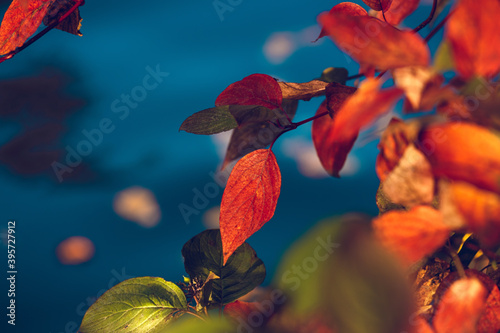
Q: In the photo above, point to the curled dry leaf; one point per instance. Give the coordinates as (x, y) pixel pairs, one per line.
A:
(362, 108)
(479, 209)
(20, 22)
(345, 8)
(411, 182)
(58, 9)
(460, 307)
(411, 235)
(249, 199)
(472, 32)
(304, 91)
(398, 11)
(374, 43)
(336, 94)
(378, 5)
(255, 89)
(392, 145)
(331, 153)
(461, 151)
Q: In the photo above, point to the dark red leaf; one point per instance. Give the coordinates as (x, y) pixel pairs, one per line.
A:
(256, 89)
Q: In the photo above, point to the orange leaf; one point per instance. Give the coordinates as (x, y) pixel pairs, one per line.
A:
(249, 199)
(411, 235)
(473, 35)
(374, 43)
(362, 108)
(378, 4)
(345, 8)
(331, 153)
(462, 151)
(460, 307)
(399, 10)
(240, 310)
(422, 326)
(20, 22)
(480, 210)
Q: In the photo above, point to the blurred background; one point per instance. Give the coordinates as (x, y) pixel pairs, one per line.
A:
(95, 172)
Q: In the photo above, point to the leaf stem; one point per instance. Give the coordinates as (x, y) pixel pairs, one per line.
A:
(41, 33)
(429, 18)
(357, 76)
(457, 262)
(196, 315)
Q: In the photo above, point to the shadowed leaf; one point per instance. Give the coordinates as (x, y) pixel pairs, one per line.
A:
(210, 121)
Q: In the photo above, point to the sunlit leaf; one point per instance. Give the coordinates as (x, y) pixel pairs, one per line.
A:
(304, 91)
(142, 305)
(411, 235)
(460, 307)
(20, 22)
(462, 151)
(242, 272)
(472, 34)
(249, 199)
(345, 8)
(374, 43)
(362, 108)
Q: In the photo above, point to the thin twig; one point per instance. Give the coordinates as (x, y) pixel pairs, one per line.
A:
(196, 315)
(439, 26)
(457, 262)
(431, 16)
(357, 76)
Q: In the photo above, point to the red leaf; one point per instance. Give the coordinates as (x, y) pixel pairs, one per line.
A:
(240, 310)
(398, 11)
(462, 151)
(461, 306)
(473, 35)
(256, 89)
(490, 319)
(20, 22)
(411, 235)
(378, 5)
(362, 108)
(249, 199)
(374, 43)
(331, 153)
(345, 8)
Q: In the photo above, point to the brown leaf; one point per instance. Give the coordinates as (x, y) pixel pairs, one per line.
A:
(411, 235)
(336, 94)
(374, 43)
(411, 182)
(461, 151)
(249, 199)
(304, 91)
(472, 31)
(71, 24)
(460, 307)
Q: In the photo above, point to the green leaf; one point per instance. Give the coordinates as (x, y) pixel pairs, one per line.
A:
(137, 305)
(210, 121)
(188, 324)
(338, 269)
(243, 271)
(332, 74)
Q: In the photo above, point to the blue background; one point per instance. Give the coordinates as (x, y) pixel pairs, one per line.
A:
(202, 54)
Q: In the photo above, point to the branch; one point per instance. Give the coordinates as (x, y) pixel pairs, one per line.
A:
(43, 32)
(431, 16)
(439, 26)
